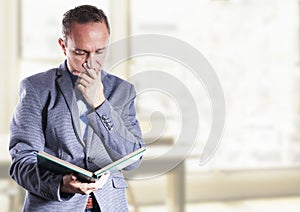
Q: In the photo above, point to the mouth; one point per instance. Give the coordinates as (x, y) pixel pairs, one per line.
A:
(75, 72)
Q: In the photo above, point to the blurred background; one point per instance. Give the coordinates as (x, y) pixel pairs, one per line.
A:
(253, 46)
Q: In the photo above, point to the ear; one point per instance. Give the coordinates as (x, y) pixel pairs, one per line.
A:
(62, 45)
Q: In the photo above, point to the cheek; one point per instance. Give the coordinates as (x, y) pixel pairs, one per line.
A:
(76, 64)
(100, 59)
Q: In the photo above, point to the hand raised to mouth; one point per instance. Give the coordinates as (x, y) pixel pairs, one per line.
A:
(90, 85)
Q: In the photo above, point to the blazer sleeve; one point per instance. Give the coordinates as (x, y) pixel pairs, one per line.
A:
(26, 139)
(116, 121)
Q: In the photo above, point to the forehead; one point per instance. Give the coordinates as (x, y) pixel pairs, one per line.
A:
(88, 35)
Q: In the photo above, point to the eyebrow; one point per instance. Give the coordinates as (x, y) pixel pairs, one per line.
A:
(78, 49)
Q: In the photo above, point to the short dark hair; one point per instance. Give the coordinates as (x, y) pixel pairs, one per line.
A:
(83, 14)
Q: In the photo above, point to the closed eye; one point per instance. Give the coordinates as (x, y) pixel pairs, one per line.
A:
(80, 52)
(100, 51)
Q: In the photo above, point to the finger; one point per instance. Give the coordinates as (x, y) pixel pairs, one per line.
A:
(85, 76)
(82, 188)
(103, 179)
(106, 175)
(82, 81)
(70, 184)
(73, 177)
(85, 66)
(81, 88)
(68, 178)
(87, 188)
(90, 72)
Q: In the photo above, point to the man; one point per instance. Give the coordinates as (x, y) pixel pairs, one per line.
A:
(79, 113)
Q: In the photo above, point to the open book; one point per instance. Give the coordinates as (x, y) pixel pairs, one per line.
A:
(60, 166)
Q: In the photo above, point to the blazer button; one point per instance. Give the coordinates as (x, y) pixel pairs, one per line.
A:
(90, 159)
(104, 117)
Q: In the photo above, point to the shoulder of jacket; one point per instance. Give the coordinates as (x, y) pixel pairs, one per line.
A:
(114, 80)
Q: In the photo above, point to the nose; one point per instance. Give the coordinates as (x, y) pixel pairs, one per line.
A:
(91, 61)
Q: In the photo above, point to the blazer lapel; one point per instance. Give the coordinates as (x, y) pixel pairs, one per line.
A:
(66, 87)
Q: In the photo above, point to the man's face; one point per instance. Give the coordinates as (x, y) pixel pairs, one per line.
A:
(86, 43)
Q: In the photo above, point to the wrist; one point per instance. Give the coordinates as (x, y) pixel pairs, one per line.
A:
(99, 103)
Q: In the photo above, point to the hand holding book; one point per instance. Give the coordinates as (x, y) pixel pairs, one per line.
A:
(70, 184)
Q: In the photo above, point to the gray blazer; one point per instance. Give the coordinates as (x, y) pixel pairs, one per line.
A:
(46, 118)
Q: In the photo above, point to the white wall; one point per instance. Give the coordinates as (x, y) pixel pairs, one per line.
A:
(9, 72)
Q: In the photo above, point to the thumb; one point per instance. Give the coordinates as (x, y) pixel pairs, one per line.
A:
(103, 179)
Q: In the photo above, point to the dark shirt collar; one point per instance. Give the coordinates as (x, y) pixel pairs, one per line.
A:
(72, 76)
